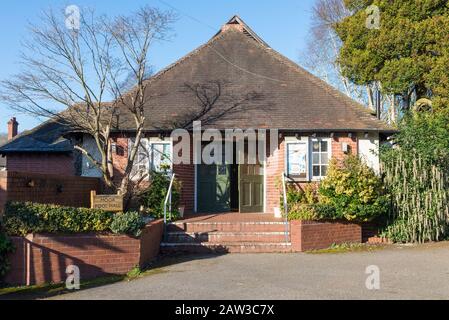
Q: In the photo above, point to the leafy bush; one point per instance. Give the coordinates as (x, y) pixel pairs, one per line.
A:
(354, 190)
(416, 174)
(21, 219)
(314, 212)
(303, 204)
(6, 247)
(130, 223)
(153, 198)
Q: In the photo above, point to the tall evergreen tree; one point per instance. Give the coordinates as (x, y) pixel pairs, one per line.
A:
(408, 55)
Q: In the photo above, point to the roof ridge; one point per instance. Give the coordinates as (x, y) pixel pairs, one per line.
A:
(246, 27)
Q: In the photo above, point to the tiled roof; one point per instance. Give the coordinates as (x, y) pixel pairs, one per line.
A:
(46, 138)
(289, 97)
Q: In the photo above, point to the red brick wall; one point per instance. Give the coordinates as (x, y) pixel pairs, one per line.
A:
(120, 158)
(150, 242)
(337, 143)
(95, 255)
(313, 235)
(55, 189)
(274, 169)
(3, 193)
(42, 163)
(185, 173)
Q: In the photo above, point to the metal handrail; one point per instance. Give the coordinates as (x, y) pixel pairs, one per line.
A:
(167, 199)
(284, 192)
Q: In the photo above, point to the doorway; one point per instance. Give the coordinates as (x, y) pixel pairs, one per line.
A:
(230, 187)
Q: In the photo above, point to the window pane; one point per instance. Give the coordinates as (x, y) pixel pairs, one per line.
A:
(316, 171)
(316, 146)
(160, 156)
(316, 158)
(323, 171)
(324, 158)
(324, 146)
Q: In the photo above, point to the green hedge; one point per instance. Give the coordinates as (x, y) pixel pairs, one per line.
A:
(21, 219)
(6, 247)
(128, 223)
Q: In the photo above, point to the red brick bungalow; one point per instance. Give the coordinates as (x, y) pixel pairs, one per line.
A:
(252, 86)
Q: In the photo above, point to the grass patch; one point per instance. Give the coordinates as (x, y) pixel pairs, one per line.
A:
(50, 290)
(348, 247)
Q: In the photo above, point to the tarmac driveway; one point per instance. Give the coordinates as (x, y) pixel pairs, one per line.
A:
(418, 272)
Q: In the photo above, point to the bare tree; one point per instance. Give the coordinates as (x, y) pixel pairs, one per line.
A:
(92, 73)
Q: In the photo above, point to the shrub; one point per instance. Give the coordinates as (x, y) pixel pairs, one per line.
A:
(21, 219)
(6, 247)
(130, 223)
(354, 190)
(314, 212)
(416, 174)
(153, 198)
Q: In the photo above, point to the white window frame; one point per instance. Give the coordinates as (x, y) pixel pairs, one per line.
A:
(148, 145)
(166, 141)
(329, 154)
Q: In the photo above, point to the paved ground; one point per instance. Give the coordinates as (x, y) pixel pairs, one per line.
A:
(405, 273)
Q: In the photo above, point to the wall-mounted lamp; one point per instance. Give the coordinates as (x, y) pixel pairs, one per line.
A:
(350, 135)
(332, 135)
(31, 183)
(298, 136)
(366, 135)
(314, 135)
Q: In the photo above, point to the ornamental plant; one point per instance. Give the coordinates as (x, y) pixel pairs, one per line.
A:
(354, 190)
(153, 198)
(130, 223)
(303, 204)
(416, 174)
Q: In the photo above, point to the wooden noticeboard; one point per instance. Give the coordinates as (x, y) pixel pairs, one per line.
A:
(106, 202)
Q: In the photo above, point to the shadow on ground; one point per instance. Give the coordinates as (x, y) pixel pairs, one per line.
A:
(52, 290)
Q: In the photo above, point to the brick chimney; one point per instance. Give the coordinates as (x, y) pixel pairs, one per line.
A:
(13, 127)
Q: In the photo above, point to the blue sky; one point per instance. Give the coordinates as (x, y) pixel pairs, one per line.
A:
(284, 24)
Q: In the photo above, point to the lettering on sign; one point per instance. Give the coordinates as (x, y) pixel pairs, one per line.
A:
(106, 202)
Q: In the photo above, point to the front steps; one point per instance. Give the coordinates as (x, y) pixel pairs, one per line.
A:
(226, 237)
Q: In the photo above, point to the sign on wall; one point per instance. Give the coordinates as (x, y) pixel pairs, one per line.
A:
(106, 202)
(297, 159)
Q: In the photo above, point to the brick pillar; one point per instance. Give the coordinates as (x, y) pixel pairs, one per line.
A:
(295, 235)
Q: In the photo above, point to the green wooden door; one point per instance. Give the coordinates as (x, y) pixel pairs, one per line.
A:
(251, 188)
(214, 194)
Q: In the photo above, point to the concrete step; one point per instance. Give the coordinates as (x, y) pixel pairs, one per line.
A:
(207, 227)
(226, 237)
(249, 247)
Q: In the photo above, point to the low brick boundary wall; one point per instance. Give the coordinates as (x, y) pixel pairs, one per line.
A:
(314, 235)
(40, 259)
